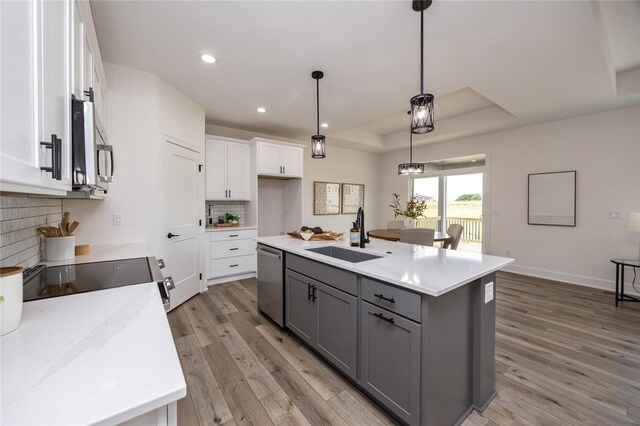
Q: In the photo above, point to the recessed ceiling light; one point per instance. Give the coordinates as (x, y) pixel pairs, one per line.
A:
(261, 109)
(324, 125)
(208, 58)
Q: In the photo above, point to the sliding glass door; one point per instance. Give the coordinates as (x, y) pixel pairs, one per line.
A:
(454, 197)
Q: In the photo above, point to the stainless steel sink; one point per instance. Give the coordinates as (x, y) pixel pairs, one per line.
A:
(352, 256)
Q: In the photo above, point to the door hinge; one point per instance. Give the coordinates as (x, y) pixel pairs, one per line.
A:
(200, 275)
(199, 167)
(199, 222)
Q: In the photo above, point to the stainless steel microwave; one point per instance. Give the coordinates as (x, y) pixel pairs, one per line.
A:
(91, 157)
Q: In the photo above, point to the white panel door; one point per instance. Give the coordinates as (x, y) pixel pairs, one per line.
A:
(54, 82)
(238, 171)
(291, 159)
(183, 207)
(216, 170)
(269, 159)
(19, 144)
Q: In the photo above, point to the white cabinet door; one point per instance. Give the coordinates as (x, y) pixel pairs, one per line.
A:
(268, 159)
(291, 159)
(216, 170)
(87, 64)
(238, 171)
(54, 83)
(77, 50)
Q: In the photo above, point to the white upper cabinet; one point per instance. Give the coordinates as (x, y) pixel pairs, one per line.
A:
(43, 45)
(227, 171)
(278, 160)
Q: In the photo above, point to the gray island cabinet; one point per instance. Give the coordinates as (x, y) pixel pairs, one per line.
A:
(427, 359)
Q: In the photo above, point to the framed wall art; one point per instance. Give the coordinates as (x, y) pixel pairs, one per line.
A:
(552, 199)
(352, 197)
(326, 198)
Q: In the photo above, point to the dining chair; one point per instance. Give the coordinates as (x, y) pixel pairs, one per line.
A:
(395, 224)
(421, 236)
(455, 231)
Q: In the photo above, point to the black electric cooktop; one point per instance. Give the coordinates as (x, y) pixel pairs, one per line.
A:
(41, 282)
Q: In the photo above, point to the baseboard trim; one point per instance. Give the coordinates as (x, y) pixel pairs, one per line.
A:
(581, 280)
(217, 281)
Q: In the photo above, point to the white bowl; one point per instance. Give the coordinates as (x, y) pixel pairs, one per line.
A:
(306, 235)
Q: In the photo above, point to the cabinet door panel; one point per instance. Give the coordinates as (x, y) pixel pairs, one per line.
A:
(77, 86)
(87, 64)
(337, 329)
(390, 361)
(238, 171)
(216, 170)
(291, 159)
(300, 309)
(268, 159)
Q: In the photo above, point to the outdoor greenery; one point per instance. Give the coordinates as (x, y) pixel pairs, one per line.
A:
(469, 197)
(415, 208)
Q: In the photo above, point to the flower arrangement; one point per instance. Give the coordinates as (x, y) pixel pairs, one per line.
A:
(414, 209)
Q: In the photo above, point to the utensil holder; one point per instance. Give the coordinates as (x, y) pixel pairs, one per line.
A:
(10, 298)
(60, 248)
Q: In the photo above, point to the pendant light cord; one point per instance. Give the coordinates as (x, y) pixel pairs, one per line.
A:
(317, 106)
(422, 52)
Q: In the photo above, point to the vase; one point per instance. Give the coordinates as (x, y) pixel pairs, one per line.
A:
(10, 298)
(409, 223)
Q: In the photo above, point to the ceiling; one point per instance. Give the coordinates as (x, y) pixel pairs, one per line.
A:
(490, 65)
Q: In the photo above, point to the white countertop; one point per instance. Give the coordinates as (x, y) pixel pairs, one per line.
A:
(101, 357)
(228, 228)
(428, 270)
(101, 253)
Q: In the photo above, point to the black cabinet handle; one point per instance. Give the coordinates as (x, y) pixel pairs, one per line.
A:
(170, 235)
(58, 156)
(53, 146)
(233, 249)
(313, 293)
(233, 235)
(388, 299)
(308, 291)
(233, 266)
(382, 317)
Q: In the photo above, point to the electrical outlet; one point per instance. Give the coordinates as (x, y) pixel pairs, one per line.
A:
(118, 219)
(488, 292)
(614, 214)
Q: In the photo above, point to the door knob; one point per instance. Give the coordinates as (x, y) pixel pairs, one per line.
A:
(170, 235)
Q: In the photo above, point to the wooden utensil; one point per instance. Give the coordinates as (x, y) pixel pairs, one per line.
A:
(64, 224)
(72, 227)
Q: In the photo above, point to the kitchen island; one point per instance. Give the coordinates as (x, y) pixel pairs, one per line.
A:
(101, 357)
(412, 326)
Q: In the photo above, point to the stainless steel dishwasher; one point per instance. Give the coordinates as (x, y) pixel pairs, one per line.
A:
(271, 283)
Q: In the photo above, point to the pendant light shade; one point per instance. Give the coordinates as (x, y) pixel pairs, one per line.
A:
(422, 114)
(318, 146)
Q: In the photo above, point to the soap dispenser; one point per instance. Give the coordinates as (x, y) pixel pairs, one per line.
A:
(354, 236)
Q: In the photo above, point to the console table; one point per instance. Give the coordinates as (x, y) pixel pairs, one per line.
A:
(620, 264)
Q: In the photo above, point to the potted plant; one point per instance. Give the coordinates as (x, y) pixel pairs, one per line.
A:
(415, 208)
(231, 218)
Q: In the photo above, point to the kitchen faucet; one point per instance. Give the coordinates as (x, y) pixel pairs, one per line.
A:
(360, 225)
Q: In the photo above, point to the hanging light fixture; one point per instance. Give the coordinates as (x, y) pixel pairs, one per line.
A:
(318, 148)
(422, 104)
(410, 168)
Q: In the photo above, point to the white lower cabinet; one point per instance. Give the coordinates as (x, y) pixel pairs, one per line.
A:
(163, 416)
(231, 253)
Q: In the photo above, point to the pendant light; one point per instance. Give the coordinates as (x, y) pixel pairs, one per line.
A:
(410, 168)
(318, 148)
(422, 104)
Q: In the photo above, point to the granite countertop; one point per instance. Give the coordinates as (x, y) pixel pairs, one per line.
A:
(428, 270)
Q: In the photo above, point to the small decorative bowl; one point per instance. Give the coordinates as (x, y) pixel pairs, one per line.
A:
(306, 235)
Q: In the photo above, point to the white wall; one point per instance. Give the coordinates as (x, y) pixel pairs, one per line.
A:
(342, 165)
(604, 148)
(140, 108)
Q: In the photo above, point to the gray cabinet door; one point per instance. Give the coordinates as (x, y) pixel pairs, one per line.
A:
(390, 361)
(337, 327)
(300, 309)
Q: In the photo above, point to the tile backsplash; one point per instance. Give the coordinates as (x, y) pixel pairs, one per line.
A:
(20, 216)
(219, 208)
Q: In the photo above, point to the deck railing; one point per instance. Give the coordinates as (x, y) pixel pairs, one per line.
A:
(472, 227)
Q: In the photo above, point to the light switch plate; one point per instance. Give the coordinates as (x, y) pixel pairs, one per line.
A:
(614, 214)
(118, 219)
(488, 292)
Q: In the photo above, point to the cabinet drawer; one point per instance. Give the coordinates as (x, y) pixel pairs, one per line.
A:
(231, 248)
(238, 234)
(394, 299)
(232, 266)
(343, 280)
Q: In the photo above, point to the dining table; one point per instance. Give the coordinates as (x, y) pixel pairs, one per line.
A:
(394, 235)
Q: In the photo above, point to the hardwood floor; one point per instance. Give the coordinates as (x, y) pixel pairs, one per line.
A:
(564, 355)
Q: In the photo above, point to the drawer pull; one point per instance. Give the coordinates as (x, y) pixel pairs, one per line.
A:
(382, 317)
(388, 299)
(233, 266)
(233, 249)
(233, 235)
